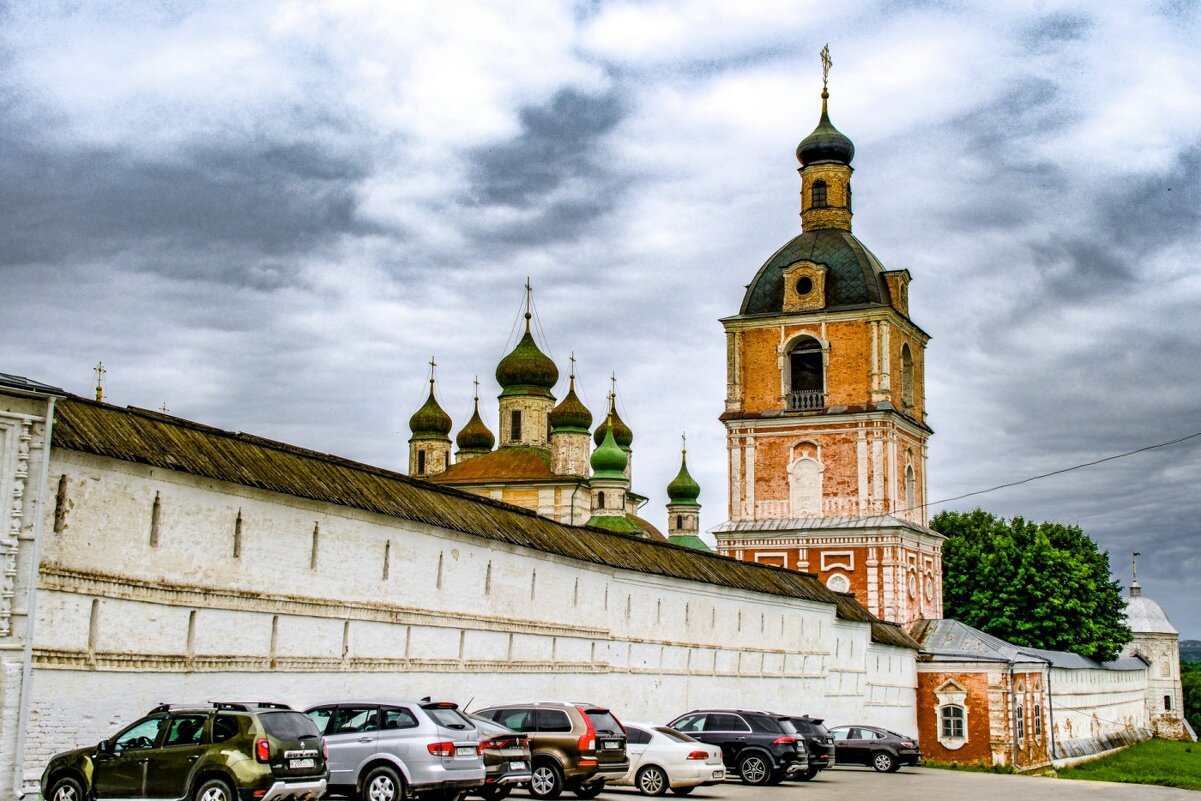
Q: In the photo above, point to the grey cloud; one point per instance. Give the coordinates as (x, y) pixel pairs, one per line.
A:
(1051, 31)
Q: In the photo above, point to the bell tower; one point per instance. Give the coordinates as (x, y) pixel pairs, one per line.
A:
(825, 408)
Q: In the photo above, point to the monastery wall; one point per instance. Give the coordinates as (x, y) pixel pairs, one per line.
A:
(156, 585)
(1097, 709)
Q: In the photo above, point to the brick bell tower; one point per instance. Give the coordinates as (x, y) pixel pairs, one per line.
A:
(825, 407)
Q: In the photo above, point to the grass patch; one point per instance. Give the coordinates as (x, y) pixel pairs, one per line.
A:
(971, 767)
(1164, 762)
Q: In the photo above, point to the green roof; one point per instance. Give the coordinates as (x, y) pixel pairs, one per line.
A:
(571, 414)
(683, 489)
(526, 370)
(430, 421)
(689, 541)
(141, 436)
(619, 522)
(609, 461)
(475, 436)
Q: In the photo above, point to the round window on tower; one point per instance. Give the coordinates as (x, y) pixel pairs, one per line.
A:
(804, 285)
(838, 583)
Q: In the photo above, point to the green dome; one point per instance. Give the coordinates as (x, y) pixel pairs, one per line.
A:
(608, 460)
(475, 436)
(526, 366)
(683, 489)
(621, 432)
(571, 413)
(826, 143)
(430, 421)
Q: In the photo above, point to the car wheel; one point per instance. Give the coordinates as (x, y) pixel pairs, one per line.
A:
(383, 784)
(214, 790)
(494, 793)
(807, 775)
(754, 769)
(651, 780)
(546, 781)
(66, 789)
(884, 762)
(682, 790)
(589, 790)
(777, 777)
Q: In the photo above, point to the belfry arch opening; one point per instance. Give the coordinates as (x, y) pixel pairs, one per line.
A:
(806, 380)
(906, 377)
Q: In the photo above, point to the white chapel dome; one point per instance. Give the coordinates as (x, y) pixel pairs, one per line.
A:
(1144, 616)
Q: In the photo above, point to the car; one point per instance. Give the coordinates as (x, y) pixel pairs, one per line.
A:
(506, 758)
(212, 751)
(761, 747)
(389, 750)
(819, 742)
(662, 758)
(884, 750)
(573, 746)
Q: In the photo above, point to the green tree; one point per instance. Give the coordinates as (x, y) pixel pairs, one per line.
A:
(1041, 585)
(1190, 679)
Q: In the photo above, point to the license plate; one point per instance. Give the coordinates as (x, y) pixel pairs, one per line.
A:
(465, 750)
(516, 766)
(718, 774)
(301, 763)
(612, 744)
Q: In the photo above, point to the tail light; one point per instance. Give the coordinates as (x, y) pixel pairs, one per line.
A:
(908, 744)
(588, 739)
(699, 755)
(324, 750)
(443, 749)
(497, 744)
(784, 741)
(262, 750)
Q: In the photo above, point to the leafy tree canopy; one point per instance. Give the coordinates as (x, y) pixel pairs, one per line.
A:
(1041, 585)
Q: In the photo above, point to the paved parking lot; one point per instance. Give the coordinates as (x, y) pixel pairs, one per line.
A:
(924, 784)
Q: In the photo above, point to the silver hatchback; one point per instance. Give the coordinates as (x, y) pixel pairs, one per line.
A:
(392, 750)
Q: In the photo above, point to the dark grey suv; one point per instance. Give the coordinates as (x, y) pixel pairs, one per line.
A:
(392, 750)
(762, 746)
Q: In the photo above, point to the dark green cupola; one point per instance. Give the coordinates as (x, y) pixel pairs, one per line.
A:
(609, 460)
(571, 414)
(826, 143)
(475, 438)
(430, 421)
(683, 489)
(622, 434)
(526, 370)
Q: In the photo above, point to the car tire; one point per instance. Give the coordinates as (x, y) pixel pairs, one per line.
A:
(652, 780)
(494, 793)
(589, 790)
(682, 790)
(807, 775)
(546, 781)
(66, 788)
(777, 777)
(214, 790)
(383, 783)
(884, 762)
(754, 769)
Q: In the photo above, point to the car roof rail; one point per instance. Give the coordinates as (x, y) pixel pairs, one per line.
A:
(246, 706)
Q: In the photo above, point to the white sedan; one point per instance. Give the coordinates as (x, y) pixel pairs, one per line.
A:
(663, 758)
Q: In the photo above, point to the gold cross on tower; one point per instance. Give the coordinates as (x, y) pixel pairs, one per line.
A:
(826, 64)
(99, 371)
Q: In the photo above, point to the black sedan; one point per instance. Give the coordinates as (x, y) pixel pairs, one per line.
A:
(884, 750)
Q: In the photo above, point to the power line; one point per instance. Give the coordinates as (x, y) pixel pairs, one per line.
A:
(1060, 471)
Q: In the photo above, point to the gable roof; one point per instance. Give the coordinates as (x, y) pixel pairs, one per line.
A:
(953, 641)
(145, 437)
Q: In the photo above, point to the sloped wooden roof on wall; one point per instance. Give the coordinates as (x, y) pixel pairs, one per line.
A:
(159, 440)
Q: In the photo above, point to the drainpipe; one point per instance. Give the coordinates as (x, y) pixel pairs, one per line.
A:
(31, 610)
(1013, 715)
(1050, 713)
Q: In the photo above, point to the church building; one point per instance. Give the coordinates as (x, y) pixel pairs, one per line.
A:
(825, 408)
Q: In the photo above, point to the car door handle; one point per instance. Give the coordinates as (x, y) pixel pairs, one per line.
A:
(194, 757)
(740, 739)
(364, 739)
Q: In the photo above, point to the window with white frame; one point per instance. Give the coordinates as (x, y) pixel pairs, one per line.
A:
(951, 719)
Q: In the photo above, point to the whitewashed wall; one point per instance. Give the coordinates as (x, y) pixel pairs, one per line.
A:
(1094, 709)
(388, 608)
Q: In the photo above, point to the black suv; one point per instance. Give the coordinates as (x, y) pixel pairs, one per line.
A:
(819, 741)
(206, 752)
(761, 746)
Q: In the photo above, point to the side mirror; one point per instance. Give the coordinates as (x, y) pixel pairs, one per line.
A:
(104, 747)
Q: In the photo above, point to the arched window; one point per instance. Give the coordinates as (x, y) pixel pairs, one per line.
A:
(421, 461)
(806, 375)
(515, 425)
(679, 522)
(1021, 722)
(819, 195)
(951, 721)
(1038, 721)
(805, 487)
(906, 377)
(600, 500)
(910, 489)
(1167, 703)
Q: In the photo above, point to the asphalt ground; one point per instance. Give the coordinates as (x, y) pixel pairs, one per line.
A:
(920, 784)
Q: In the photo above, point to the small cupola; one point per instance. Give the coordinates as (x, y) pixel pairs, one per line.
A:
(571, 414)
(683, 489)
(475, 438)
(526, 370)
(609, 460)
(429, 447)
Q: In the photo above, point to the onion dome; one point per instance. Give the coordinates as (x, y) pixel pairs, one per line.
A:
(526, 367)
(430, 421)
(826, 143)
(683, 489)
(609, 460)
(475, 436)
(571, 414)
(621, 432)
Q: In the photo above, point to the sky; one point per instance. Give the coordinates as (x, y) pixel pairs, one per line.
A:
(270, 216)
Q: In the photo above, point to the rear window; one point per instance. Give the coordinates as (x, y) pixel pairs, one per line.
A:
(603, 721)
(288, 725)
(448, 718)
(675, 736)
(787, 726)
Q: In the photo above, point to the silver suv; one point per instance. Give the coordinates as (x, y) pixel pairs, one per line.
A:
(392, 750)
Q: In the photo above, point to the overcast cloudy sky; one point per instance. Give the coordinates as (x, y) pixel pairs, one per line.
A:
(270, 215)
